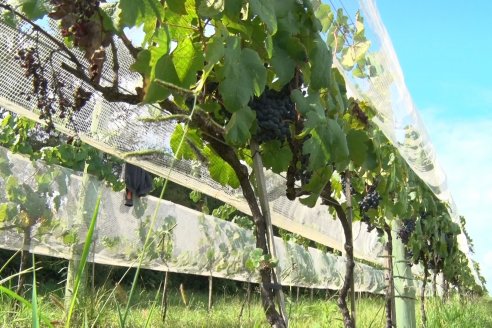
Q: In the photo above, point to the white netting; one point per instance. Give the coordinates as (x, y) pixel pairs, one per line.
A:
(116, 128)
(183, 240)
(397, 115)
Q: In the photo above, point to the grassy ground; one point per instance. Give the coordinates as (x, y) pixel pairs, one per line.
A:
(231, 310)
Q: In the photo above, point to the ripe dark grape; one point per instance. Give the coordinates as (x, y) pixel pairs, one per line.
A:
(370, 200)
(406, 230)
(274, 111)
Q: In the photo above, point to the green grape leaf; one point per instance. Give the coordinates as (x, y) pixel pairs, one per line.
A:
(243, 75)
(188, 60)
(9, 18)
(8, 211)
(108, 11)
(232, 9)
(283, 65)
(371, 161)
(186, 151)
(291, 45)
(142, 63)
(351, 55)
(318, 181)
(178, 6)
(266, 11)
(325, 16)
(134, 13)
(254, 259)
(357, 143)
(220, 170)
(15, 193)
(5, 165)
(161, 44)
(215, 50)
(276, 156)
(237, 129)
(164, 70)
(321, 62)
(210, 8)
(33, 9)
(327, 144)
(319, 153)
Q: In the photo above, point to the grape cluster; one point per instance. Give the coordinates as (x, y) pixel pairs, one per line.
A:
(274, 111)
(370, 200)
(29, 61)
(358, 113)
(406, 230)
(79, 21)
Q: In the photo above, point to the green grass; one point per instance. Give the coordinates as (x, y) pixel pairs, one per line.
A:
(318, 312)
(456, 313)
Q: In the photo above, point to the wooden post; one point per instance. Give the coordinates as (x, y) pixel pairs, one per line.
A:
(348, 197)
(405, 294)
(210, 282)
(265, 208)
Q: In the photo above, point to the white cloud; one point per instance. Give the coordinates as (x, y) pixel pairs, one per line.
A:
(464, 149)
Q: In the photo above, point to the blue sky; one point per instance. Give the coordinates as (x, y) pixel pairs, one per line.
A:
(444, 50)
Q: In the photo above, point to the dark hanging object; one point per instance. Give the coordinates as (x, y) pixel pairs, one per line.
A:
(138, 183)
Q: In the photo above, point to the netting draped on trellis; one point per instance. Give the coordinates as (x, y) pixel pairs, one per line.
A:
(117, 128)
(182, 240)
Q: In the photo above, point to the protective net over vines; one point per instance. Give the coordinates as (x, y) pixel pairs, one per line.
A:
(120, 129)
(183, 240)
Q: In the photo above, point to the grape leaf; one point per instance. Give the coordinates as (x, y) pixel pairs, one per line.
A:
(8, 211)
(220, 170)
(142, 63)
(186, 151)
(187, 60)
(276, 156)
(215, 50)
(357, 143)
(284, 7)
(9, 18)
(327, 144)
(266, 11)
(325, 16)
(283, 65)
(33, 9)
(353, 54)
(210, 8)
(243, 75)
(321, 61)
(237, 129)
(164, 70)
(178, 6)
(134, 13)
(318, 181)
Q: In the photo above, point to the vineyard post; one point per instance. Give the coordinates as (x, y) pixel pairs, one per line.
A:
(405, 295)
(265, 208)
